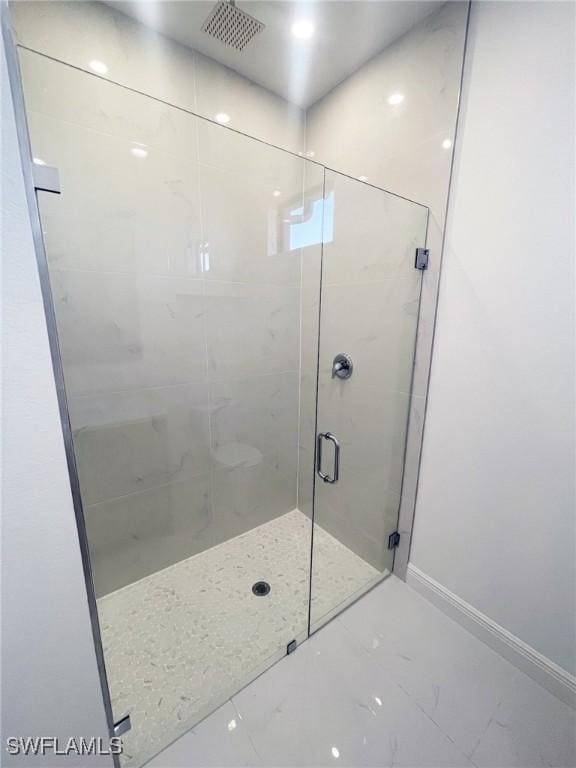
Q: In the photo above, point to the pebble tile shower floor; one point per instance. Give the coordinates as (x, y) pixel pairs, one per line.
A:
(179, 642)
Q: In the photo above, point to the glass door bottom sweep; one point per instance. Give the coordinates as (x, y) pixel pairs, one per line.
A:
(180, 642)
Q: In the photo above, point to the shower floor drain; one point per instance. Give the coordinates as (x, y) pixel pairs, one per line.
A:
(261, 588)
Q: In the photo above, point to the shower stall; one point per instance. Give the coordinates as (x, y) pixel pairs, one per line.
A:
(237, 326)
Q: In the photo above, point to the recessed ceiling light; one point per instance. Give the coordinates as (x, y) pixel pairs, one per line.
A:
(98, 66)
(446, 143)
(139, 152)
(276, 193)
(362, 178)
(38, 161)
(303, 29)
(395, 98)
(222, 118)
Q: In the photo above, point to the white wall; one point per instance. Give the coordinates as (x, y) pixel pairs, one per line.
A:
(50, 683)
(495, 513)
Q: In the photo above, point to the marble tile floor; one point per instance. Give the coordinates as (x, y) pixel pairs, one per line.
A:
(390, 682)
(179, 643)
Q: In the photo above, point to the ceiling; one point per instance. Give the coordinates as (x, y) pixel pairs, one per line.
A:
(346, 34)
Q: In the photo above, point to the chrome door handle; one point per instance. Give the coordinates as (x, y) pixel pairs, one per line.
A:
(319, 458)
(336, 474)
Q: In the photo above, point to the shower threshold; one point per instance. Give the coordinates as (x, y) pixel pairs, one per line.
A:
(181, 641)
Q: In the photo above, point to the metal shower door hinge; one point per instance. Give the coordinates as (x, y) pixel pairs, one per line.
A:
(393, 540)
(46, 178)
(291, 647)
(122, 726)
(421, 260)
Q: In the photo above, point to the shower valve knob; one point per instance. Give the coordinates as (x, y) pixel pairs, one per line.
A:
(342, 366)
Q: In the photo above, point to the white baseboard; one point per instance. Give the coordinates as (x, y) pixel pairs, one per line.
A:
(541, 669)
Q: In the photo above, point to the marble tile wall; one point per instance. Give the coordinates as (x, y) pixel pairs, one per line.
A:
(177, 289)
(79, 32)
(406, 148)
(229, 302)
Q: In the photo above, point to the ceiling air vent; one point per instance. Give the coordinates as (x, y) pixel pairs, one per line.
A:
(232, 26)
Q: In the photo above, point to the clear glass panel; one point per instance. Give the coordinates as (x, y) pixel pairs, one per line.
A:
(369, 311)
(175, 253)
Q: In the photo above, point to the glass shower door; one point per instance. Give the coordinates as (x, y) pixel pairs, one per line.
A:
(175, 254)
(370, 300)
